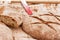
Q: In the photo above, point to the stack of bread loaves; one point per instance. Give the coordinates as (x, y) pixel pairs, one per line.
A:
(43, 24)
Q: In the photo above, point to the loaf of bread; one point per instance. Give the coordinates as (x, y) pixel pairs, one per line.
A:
(5, 32)
(11, 15)
(44, 23)
(19, 34)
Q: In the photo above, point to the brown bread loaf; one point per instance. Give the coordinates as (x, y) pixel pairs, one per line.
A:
(44, 23)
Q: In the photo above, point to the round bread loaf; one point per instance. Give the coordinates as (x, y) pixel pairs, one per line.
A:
(44, 23)
(5, 32)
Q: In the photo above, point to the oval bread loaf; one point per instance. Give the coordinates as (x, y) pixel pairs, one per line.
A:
(44, 24)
